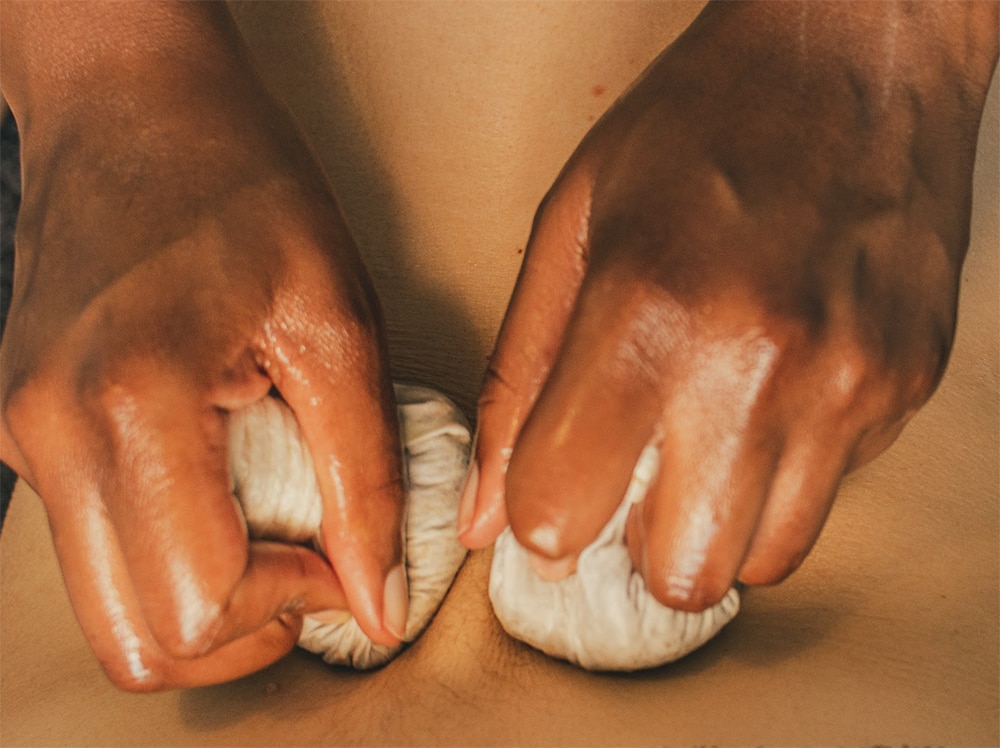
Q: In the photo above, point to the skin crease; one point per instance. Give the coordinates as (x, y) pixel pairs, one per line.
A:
(218, 267)
(752, 260)
(117, 373)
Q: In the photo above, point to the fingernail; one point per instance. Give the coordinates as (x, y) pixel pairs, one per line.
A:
(333, 616)
(467, 506)
(552, 570)
(395, 602)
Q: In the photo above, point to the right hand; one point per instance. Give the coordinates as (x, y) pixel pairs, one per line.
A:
(180, 254)
(752, 265)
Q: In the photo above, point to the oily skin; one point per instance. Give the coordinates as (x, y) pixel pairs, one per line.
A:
(752, 260)
(179, 254)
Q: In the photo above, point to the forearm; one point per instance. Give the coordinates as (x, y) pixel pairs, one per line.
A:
(123, 86)
(897, 37)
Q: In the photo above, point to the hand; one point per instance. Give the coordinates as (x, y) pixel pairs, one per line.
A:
(752, 261)
(179, 254)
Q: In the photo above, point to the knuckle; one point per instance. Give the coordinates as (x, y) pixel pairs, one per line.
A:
(28, 412)
(188, 633)
(19, 408)
(862, 383)
(112, 384)
(849, 373)
(189, 615)
(887, 373)
(544, 210)
(564, 211)
(922, 379)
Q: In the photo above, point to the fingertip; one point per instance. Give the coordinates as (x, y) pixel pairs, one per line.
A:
(552, 570)
(554, 510)
(377, 600)
(680, 570)
(363, 540)
(484, 502)
(373, 604)
(701, 512)
(797, 506)
(362, 528)
(332, 616)
(683, 572)
(784, 538)
(489, 522)
(758, 571)
(467, 504)
(395, 603)
(382, 616)
(685, 590)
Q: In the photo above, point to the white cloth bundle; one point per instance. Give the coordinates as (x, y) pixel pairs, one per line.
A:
(274, 481)
(601, 616)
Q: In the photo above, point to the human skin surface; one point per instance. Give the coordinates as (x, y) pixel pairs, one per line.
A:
(752, 261)
(728, 548)
(179, 253)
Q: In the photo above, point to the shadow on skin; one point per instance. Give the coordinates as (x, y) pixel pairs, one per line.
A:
(431, 340)
(773, 626)
(280, 691)
(460, 654)
(465, 665)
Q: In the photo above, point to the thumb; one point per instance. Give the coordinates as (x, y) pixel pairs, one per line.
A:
(330, 365)
(529, 341)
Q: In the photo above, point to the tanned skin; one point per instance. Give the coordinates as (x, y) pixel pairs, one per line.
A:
(752, 260)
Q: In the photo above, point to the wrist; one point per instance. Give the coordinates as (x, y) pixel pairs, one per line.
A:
(64, 59)
(889, 44)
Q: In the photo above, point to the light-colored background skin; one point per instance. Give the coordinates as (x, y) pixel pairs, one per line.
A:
(441, 126)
